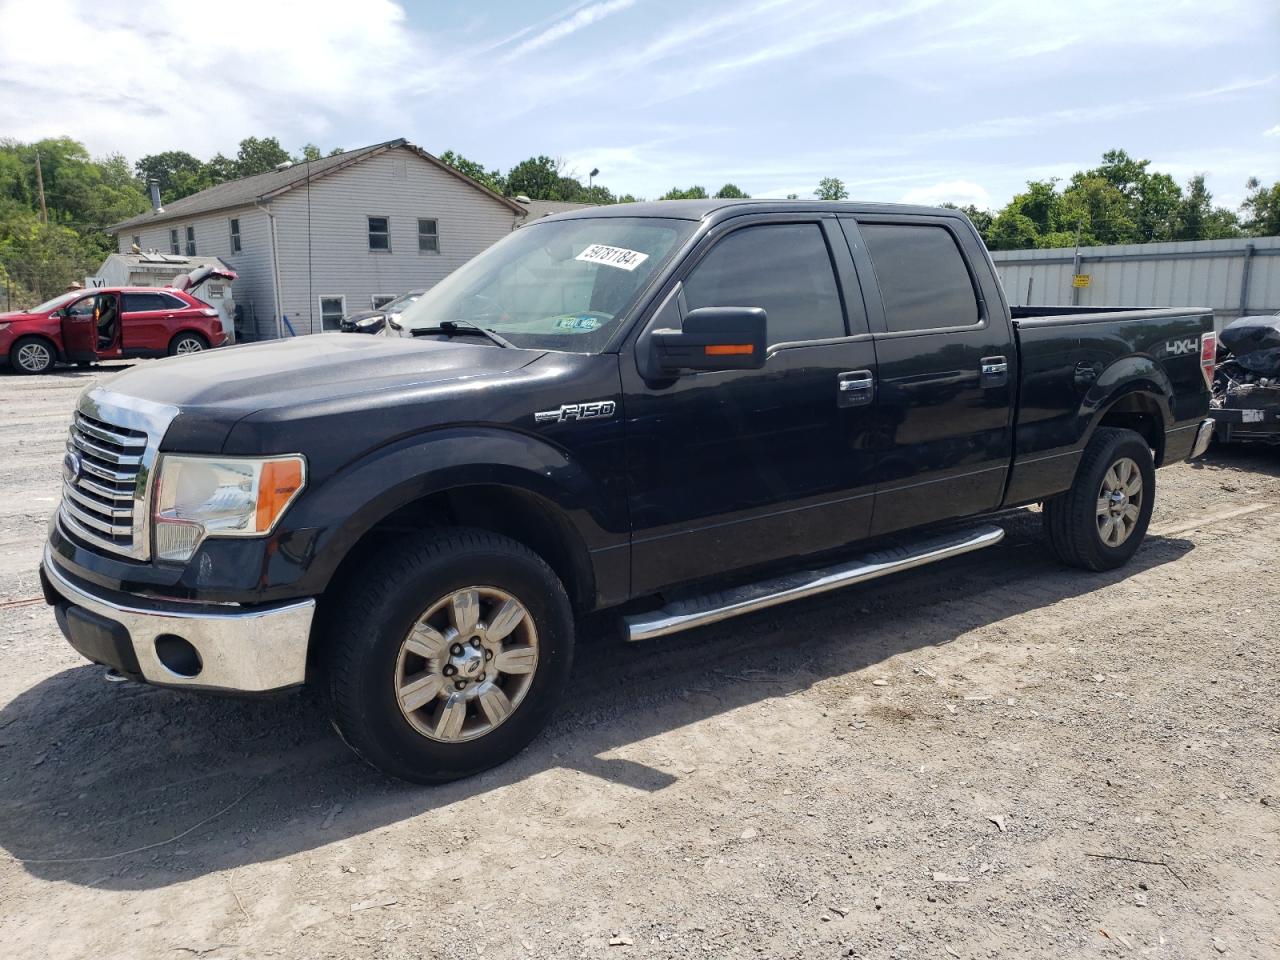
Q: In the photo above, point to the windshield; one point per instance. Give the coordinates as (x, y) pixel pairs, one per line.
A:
(559, 285)
(57, 301)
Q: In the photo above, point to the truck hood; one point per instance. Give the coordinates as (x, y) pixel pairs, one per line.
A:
(214, 389)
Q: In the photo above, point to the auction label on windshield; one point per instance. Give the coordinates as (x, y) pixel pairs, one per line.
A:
(619, 257)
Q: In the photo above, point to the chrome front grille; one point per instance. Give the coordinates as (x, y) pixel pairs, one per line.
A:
(107, 471)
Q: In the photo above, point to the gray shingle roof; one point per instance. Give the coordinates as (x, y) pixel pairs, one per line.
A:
(262, 186)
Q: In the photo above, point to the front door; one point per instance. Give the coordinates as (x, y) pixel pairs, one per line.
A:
(80, 329)
(731, 469)
(946, 377)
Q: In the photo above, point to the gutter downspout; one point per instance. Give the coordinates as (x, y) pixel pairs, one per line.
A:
(275, 268)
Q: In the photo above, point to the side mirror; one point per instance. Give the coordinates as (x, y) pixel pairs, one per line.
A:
(712, 338)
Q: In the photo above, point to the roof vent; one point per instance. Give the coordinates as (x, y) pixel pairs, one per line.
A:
(284, 166)
(521, 198)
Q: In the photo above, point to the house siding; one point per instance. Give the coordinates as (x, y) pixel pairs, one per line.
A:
(253, 291)
(324, 247)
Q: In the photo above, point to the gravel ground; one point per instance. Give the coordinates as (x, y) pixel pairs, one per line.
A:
(990, 757)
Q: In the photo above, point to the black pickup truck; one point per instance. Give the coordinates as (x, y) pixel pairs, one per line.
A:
(682, 411)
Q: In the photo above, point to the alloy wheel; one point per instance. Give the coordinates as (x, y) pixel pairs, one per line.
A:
(34, 357)
(1119, 502)
(466, 664)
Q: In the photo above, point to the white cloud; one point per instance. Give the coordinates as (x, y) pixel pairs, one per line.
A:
(150, 75)
(1272, 131)
(960, 192)
(583, 17)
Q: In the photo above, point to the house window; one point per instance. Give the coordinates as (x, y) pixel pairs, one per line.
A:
(191, 241)
(137, 241)
(428, 236)
(380, 233)
(173, 241)
(332, 310)
(235, 236)
(380, 299)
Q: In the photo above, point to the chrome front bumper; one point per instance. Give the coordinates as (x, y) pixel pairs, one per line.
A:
(1204, 434)
(248, 651)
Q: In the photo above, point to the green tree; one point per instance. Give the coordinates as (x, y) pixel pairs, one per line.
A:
(310, 152)
(259, 155)
(492, 179)
(1011, 230)
(1262, 208)
(537, 178)
(178, 173)
(731, 191)
(831, 188)
(687, 193)
(1198, 219)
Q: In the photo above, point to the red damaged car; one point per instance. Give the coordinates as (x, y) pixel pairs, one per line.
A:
(113, 323)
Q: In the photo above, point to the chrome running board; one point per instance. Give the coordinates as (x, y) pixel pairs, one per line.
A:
(712, 608)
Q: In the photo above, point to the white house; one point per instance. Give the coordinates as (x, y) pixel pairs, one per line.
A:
(321, 238)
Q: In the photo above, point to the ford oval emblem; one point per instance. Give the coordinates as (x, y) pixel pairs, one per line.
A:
(72, 467)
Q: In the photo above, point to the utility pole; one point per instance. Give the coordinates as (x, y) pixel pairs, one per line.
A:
(1075, 268)
(591, 177)
(44, 213)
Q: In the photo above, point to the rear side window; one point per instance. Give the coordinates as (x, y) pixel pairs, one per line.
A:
(137, 302)
(924, 282)
(782, 267)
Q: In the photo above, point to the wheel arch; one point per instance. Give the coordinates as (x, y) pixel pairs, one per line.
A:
(1132, 394)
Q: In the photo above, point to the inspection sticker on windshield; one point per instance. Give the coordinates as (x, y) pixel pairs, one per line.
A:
(619, 257)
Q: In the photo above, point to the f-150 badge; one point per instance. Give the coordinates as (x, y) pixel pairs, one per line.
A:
(595, 410)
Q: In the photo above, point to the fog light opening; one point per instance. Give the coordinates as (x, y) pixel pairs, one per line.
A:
(178, 655)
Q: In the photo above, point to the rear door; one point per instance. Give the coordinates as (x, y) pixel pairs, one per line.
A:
(149, 320)
(946, 369)
(730, 469)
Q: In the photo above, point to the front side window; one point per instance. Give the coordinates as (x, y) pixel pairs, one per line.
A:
(235, 236)
(784, 268)
(379, 233)
(428, 236)
(173, 241)
(332, 310)
(381, 300)
(559, 285)
(191, 241)
(923, 280)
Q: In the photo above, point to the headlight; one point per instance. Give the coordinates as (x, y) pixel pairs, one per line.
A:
(198, 497)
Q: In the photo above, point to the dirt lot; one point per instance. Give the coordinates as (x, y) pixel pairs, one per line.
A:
(992, 757)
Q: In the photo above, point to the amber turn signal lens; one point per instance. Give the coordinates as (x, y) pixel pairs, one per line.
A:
(729, 349)
(280, 480)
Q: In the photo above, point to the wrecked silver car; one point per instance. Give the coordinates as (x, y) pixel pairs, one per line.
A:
(1246, 385)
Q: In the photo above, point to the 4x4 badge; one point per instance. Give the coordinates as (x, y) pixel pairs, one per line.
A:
(577, 411)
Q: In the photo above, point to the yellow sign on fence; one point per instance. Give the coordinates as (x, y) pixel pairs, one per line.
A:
(1080, 279)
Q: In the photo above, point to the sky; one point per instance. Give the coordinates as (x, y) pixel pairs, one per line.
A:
(911, 100)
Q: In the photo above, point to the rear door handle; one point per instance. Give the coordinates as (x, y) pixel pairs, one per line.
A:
(855, 388)
(995, 371)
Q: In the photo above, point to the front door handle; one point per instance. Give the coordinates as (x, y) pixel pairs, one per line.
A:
(855, 388)
(995, 371)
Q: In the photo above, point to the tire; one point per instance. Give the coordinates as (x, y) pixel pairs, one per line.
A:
(32, 355)
(1117, 467)
(387, 658)
(187, 343)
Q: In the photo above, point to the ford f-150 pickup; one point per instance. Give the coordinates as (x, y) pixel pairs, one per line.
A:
(682, 411)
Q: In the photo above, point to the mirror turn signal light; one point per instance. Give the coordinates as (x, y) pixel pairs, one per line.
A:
(729, 349)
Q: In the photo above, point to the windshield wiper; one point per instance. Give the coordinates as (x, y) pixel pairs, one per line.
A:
(455, 327)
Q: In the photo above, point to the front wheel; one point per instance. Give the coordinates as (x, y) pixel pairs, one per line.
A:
(447, 655)
(32, 355)
(1100, 522)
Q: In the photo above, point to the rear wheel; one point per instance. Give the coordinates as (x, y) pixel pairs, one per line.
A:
(32, 355)
(187, 343)
(447, 655)
(1100, 522)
